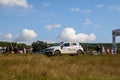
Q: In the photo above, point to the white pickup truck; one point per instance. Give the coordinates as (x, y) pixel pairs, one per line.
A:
(65, 48)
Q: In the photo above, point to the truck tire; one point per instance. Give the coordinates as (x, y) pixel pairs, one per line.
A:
(79, 53)
(57, 53)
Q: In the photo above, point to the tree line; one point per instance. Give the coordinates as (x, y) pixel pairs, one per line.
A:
(19, 45)
(39, 45)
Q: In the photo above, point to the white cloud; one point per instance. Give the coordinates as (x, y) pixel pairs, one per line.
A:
(26, 35)
(86, 11)
(114, 8)
(75, 9)
(69, 34)
(49, 27)
(45, 4)
(8, 36)
(87, 22)
(99, 5)
(20, 3)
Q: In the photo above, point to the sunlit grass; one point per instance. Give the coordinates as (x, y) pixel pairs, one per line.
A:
(41, 67)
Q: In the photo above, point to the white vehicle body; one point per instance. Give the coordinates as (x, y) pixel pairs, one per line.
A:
(65, 48)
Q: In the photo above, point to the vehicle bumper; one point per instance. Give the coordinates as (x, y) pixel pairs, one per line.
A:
(49, 53)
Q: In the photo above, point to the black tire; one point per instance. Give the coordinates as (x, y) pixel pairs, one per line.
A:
(79, 53)
(57, 53)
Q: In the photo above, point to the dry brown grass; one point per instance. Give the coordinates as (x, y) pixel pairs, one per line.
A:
(41, 67)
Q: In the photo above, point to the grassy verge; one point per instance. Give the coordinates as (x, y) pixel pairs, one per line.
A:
(41, 67)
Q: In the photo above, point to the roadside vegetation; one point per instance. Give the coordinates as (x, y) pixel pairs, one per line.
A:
(40, 45)
(65, 67)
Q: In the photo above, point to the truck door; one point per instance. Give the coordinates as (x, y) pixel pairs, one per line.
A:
(73, 47)
(65, 48)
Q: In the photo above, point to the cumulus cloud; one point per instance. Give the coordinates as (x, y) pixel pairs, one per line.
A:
(49, 27)
(99, 5)
(69, 34)
(20, 3)
(8, 36)
(75, 9)
(26, 35)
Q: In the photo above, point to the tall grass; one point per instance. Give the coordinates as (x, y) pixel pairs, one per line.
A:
(41, 67)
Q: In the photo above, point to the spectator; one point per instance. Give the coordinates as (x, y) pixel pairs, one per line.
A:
(107, 51)
(24, 50)
(98, 48)
(7, 49)
(102, 49)
(15, 49)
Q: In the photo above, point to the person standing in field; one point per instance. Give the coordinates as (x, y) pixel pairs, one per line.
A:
(102, 49)
(98, 49)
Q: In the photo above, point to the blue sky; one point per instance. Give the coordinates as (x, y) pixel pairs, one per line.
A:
(59, 20)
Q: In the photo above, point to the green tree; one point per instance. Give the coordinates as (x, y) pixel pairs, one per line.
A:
(21, 46)
(38, 45)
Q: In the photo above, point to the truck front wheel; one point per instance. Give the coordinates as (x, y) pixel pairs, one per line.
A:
(57, 53)
(79, 52)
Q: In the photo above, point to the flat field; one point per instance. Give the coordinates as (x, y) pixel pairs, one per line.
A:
(65, 67)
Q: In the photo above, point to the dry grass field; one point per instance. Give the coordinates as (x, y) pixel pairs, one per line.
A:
(65, 67)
